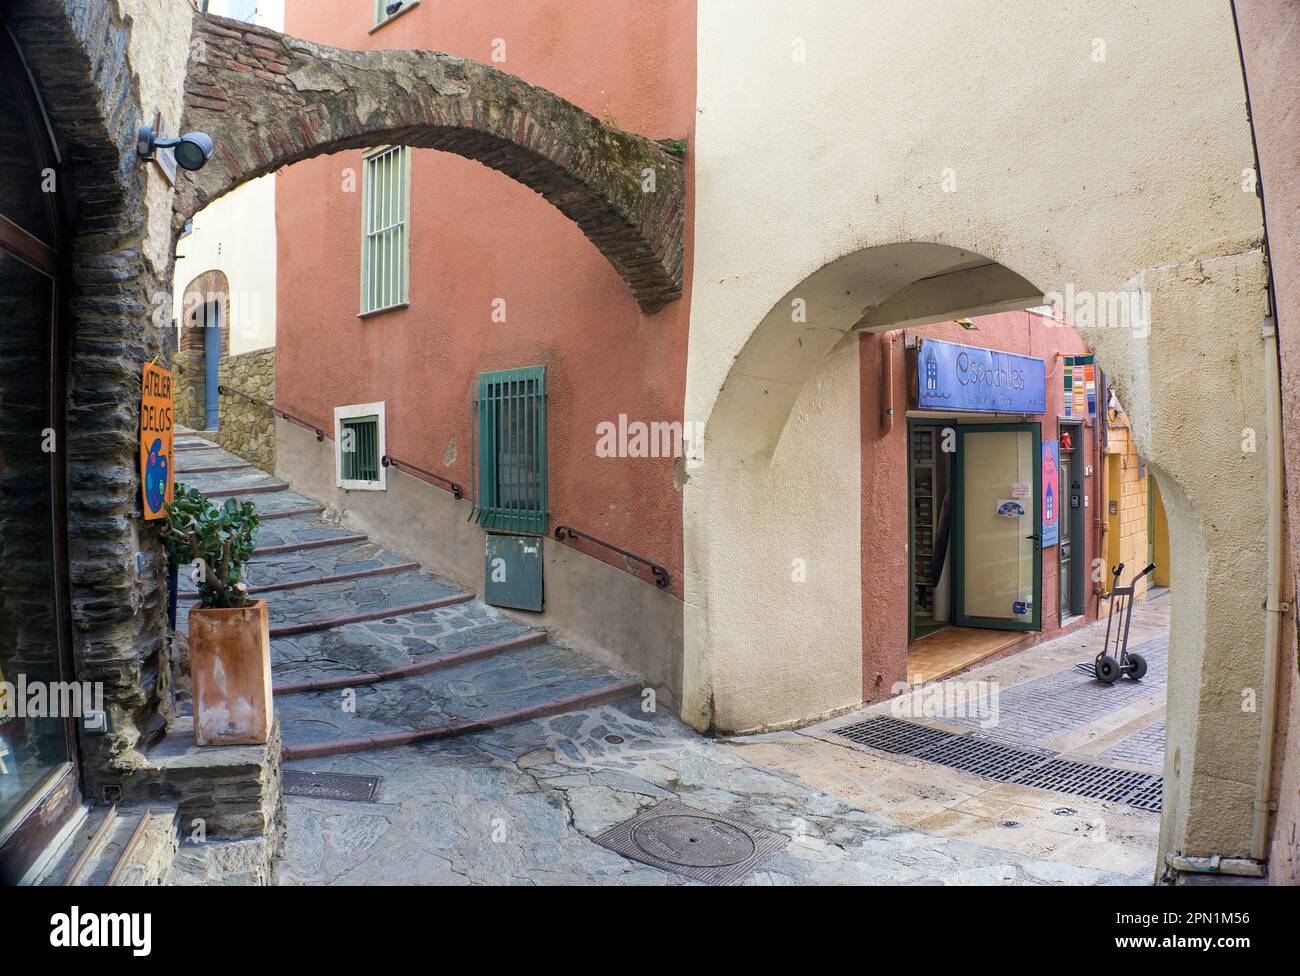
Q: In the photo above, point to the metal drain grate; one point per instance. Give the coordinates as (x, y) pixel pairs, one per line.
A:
(893, 735)
(1008, 764)
(991, 759)
(1085, 779)
(1149, 796)
(701, 845)
(330, 786)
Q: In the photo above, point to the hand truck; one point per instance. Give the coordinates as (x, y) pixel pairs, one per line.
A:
(1109, 667)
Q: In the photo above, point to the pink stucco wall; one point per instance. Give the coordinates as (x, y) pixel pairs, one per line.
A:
(477, 236)
(884, 482)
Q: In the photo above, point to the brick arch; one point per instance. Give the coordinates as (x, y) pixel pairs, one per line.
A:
(268, 100)
(210, 286)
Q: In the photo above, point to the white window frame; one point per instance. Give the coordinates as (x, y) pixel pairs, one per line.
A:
(352, 412)
(393, 214)
(382, 17)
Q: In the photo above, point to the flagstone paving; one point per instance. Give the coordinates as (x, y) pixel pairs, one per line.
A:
(523, 803)
(466, 662)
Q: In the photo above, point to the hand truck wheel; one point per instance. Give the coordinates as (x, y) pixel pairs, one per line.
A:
(1137, 666)
(1106, 668)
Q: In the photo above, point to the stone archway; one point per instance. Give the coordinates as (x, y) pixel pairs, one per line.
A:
(763, 651)
(268, 100)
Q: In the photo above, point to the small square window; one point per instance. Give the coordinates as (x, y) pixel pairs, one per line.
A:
(359, 447)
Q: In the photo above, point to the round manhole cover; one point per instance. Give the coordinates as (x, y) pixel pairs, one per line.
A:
(696, 842)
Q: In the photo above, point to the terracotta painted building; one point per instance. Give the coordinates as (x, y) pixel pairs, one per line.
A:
(489, 277)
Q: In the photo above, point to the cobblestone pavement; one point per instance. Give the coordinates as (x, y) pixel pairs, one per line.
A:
(1145, 748)
(1039, 712)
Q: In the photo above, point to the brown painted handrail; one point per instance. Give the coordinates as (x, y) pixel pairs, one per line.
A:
(437, 480)
(662, 579)
(320, 434)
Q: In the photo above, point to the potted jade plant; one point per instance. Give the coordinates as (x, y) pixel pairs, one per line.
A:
(230, 641)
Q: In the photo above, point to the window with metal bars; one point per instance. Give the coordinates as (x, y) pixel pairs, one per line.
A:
(385, 219)
(359, 444)
(511, 410)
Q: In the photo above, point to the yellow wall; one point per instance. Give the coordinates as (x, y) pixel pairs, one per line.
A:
(1126, 535)
(1160, 531)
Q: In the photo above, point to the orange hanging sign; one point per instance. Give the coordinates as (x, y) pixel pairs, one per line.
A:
(157, 479)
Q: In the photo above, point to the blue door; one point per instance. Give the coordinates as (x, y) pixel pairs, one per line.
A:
(211, 356)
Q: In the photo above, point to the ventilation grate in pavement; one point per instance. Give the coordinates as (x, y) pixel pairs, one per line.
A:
(701, 845)
(1149, 796)
(330, 786)
(991, 759)
(1085, 779)
(893, 735)
(1008, 764)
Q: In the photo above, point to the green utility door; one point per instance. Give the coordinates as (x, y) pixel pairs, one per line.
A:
(998, 558)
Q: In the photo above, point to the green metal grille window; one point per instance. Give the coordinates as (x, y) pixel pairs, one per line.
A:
(359, 450)
(385, 218)
(512, 450)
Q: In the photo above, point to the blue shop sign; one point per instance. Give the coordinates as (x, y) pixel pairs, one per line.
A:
(956, 377)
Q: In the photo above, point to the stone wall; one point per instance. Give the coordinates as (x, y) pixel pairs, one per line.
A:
(246, 426)
(82, 55)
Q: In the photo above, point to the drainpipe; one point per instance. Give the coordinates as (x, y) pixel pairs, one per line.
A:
(1273, 605)
(886, 383)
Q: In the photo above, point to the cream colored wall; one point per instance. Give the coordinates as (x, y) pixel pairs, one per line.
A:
(1100, 175)
(159, 38)
(236, 234)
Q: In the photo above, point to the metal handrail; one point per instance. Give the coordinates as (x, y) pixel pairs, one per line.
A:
(320, 434)
(222, 390)
(662, 578)
(439, 481)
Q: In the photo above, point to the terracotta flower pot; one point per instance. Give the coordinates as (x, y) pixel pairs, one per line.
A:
(230, 669)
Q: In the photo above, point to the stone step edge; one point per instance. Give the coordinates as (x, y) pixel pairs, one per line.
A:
(411, 670)
(306, 544)
(288, 630)
(192, 595)
(590, 699)
(247, 490)
(214, 468)
(290, 513)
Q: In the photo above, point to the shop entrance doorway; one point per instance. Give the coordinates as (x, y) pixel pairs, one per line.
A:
(997, 519)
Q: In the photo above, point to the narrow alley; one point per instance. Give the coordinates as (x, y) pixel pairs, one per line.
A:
(501, 758)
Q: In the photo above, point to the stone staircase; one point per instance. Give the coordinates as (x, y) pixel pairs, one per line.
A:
(117, 846)
(370, 651)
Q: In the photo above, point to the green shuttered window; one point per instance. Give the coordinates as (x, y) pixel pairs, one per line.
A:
(385, 220)
(512, 450)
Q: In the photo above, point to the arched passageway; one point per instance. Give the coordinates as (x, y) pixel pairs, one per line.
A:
(269, 100)
(779, 484)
